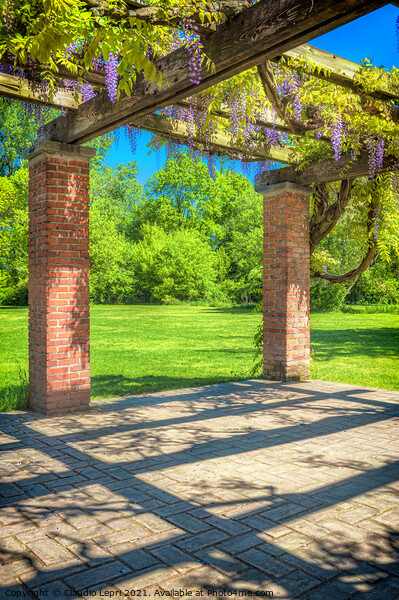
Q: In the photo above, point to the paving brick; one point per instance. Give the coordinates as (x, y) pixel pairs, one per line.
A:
(196, 542)
(152, 522)
(136, 559)
(49, 551)
(126, 535)
(265, 562)
(258, 522)
(283, 513)
(272, 500)
(242, 542)
(345, 529)
(390, 518)
(297, 583)
(15, 569)
(55, 589)
(91, 577)
(357, 514)
(227, 525)
(219, 559)
(175, 558)
(145, 579)
(189, 523)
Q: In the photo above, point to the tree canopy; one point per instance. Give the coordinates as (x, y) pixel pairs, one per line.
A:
(291, 103)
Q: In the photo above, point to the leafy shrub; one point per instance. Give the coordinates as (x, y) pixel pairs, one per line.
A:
(326, 297)
(111, 270)
(375, 288)
(178, 265)
(16, 295)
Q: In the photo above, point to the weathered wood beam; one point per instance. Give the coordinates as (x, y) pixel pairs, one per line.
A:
(260, 32)
(25, 90)
(95, 78)
(322, 172)
(170, 17)
(222, 142)
(268, 121)
(18, 88)
(339, 70)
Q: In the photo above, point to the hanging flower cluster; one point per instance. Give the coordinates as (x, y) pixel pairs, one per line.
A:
(133, 135)
(289, 86)
(9, 15)
(111, 76)
(193, 42)
(337, 133)
(375, 146)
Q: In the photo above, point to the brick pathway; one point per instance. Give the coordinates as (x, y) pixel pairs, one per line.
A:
(239, 487)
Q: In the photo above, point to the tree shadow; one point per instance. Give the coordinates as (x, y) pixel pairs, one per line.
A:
(361, 342)
(108, 386)
(89, 496)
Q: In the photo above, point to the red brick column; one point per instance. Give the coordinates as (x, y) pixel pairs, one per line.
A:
(59, 367)
(286, 282)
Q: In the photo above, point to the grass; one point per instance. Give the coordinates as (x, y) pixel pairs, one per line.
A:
(136, 349)
(362, 349)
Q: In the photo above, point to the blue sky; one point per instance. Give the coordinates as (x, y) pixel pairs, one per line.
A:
(372, 36)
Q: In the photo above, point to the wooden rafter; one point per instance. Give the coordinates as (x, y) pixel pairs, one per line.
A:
(18, 88)
(170, 17)
(329, 67)
(338, 70)
(269, 119)
(260, 32)
(224, 142)
(323, 172)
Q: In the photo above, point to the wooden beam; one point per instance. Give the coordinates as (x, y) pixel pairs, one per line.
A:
(268, 121)
(95, 78)
(223, 142)
(260, 32)
(18, 88)
(340, 70)
(322, 172)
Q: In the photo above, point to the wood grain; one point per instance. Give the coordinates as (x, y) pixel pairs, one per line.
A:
(260, 32)
(321, 172)
(172, 128)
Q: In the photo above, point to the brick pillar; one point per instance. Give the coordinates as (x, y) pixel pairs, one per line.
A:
(286, 282)
(59, 367)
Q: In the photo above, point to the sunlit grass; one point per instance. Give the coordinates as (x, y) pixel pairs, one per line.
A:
(362, 349)
(137, 349)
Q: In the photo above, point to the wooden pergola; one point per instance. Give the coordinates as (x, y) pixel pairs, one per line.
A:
(59, 341)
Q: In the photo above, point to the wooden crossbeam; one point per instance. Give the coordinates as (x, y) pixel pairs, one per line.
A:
(336, 69)
(18, 88)
(224, 142)
(322, 172)
(269, 119)
(260, 32)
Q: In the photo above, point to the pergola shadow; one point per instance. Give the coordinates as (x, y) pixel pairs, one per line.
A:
(202, 538)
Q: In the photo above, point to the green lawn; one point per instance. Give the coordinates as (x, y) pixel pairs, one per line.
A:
(362, 349)
(136, 349)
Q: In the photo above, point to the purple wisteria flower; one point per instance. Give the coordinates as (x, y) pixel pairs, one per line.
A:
(111, 76)
(193, 42)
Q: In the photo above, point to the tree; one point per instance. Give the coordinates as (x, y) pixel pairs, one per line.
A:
(14, 237)
(322, 121)
(178, 195)
(116, 193)
(18, 131)
(111, 261)
(177, 264)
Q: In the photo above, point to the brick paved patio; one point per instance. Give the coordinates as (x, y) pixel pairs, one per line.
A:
(290, 488)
